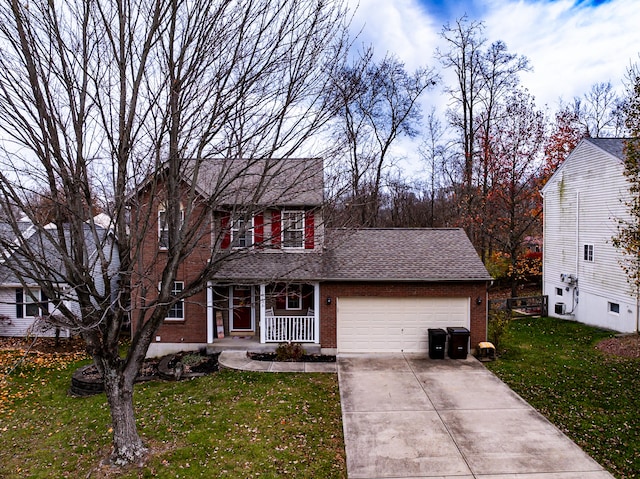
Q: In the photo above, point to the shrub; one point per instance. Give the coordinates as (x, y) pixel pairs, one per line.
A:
(499, 322)
(289, 352)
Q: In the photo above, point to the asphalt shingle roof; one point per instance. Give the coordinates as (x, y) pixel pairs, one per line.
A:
(403, 254)
(393, 254)
(613, 146)
(290, 181)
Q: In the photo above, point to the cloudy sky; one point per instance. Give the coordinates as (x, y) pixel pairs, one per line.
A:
(571, 44)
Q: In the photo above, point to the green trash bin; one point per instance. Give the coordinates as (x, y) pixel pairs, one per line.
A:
(458, 342)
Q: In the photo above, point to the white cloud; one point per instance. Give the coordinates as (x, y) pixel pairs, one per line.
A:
(570, 47)
(400, 27)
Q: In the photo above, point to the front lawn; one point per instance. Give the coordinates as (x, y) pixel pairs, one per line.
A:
(591, 396)
(229, 424)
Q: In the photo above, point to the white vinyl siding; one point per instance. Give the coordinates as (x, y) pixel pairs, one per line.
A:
(10, 325)
(581, 204)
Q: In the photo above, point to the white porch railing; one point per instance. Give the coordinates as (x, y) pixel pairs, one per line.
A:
(295, 329)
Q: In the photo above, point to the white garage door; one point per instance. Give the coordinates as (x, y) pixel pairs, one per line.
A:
(395, 324)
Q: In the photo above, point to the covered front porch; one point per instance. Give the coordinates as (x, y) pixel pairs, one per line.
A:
(266, 312)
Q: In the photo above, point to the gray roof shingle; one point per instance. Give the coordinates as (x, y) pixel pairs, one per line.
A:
(613, 146)
(393, 254)
(264, 182)
(403, 254)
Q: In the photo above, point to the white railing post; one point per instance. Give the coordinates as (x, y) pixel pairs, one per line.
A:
(211, 327)
(316, 313)
(263, 309)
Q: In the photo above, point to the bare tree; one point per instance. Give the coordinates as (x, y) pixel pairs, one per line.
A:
(484, 77)
(599, 111)
(115, 103)
(464, 57)
(377, 102)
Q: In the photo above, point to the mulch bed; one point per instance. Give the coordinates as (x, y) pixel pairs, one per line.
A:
(307, 358)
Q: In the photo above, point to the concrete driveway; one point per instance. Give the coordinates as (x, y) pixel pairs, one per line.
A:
(411, 416)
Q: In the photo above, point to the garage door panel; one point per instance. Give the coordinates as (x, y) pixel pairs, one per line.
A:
(395, 324)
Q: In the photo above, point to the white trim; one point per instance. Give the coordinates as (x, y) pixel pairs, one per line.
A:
(263, 311)
(248, 231)
(184, 313)
(251, 309)
(211, 327)
(283, 229)
(316, 309)
(286, 299)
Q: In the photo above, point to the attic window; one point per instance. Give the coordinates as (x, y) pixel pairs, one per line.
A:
(588, 253)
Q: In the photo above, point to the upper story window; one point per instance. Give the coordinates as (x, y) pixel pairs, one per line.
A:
(27, 306)
(176, 312)
(163, 227)
(588, 253)
(293, 229)
(241, 233)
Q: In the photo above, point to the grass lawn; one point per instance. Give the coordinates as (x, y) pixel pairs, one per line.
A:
(229, 424)
(594, 398)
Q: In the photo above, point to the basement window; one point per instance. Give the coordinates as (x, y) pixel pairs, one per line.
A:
(559, 292)
(614, 308)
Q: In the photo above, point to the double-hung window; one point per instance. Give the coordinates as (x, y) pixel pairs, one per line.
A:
(241, 233)
(176, 312)
(588, 253)
(27, 306)
(293, 229)
(163, 227)
(294, 297)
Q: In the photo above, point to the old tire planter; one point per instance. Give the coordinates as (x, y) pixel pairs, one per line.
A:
(85, 382)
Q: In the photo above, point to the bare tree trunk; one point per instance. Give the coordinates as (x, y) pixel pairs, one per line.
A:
(127, 445)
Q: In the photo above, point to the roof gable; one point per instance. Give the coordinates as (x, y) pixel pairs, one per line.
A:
(264, 182)
(611, 148)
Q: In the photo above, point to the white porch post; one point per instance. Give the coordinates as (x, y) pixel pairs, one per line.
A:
(263, 309)
(316, 309)
(211, 327)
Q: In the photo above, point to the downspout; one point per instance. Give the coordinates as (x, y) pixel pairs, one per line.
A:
(577, 232)
(575, 286)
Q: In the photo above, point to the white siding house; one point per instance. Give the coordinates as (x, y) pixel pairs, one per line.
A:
(23, 313)
(581, 269)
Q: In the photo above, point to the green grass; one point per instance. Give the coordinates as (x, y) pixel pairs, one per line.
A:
(230, 424)
(594, 398)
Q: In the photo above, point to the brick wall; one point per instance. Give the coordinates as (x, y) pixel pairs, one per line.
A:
(473, 290)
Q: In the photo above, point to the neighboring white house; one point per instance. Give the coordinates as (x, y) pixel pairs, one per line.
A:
(23, 305)
(581, 269)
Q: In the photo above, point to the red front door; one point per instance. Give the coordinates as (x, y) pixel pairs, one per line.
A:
(241, 312)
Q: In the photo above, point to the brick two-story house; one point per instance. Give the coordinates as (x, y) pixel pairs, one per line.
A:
(286, 277)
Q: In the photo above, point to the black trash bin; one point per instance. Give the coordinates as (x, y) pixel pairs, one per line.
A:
(437, 341)
(458, 343)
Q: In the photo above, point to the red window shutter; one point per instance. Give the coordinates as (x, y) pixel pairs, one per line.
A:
(258, 229)
(226, 232)
(276, 230)
(309, 229)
